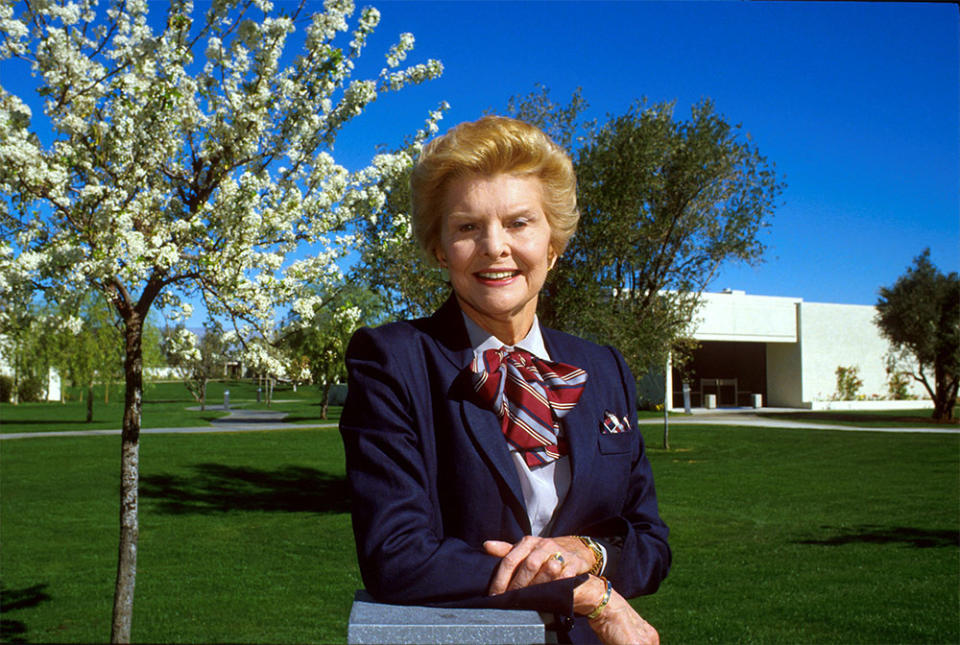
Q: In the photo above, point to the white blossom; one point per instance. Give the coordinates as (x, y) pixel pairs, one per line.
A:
(167, 178)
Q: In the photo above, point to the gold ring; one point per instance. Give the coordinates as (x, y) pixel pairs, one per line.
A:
(558, 556)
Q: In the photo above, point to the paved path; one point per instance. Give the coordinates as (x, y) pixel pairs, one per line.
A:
(239, 420)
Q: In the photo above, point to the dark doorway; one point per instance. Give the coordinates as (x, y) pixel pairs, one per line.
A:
(732, 371)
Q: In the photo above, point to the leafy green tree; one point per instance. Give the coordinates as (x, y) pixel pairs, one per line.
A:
(664, 203)
(90, 350)
(316, 339)
(21, 327)
(920, 316)
(19, 346)
(562, 123)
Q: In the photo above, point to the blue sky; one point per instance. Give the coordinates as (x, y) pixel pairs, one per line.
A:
(856, 103)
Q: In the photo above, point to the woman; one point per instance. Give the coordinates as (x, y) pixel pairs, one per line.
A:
(494, 462)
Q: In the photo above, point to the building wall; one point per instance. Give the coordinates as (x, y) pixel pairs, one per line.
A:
(833, 335)
(733, 315)
(784, 381)
(805, 343)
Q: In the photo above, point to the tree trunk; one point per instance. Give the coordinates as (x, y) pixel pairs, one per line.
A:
(89, 401)
(326, 400)
(15, 394)
(944, 402)
(203, 395)
(666, 426)
(129, 482)
(944, 393)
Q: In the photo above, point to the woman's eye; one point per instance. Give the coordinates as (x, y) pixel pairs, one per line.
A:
(518, 223)
(466, 228)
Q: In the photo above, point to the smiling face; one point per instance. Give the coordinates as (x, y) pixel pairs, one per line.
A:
(495, 241)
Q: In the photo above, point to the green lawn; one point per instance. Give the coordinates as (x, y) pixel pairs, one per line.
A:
(779, 536)
(805, 536)
(244, 538)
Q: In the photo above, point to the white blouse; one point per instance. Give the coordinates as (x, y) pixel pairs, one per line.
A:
(544, 487)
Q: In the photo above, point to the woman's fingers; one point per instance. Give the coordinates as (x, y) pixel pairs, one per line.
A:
(497, 548)
(552, 568)
(509, 562)
(530, 561)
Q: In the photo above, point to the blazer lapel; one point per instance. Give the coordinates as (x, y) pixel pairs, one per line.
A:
(580, 427)
(450, 334)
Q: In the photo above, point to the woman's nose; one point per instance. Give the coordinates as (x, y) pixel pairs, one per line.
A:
(493, 242)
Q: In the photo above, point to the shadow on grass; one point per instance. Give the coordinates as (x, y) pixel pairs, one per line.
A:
(310, 413)
(15, 631)
(315, 418)
(217, 488)
(872, 534)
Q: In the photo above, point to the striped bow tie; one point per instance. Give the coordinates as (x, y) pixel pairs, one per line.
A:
(530, 395)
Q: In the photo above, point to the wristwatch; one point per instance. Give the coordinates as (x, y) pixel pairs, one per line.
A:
(594, 546)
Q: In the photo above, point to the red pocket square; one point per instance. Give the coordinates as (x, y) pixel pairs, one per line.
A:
(613, 425)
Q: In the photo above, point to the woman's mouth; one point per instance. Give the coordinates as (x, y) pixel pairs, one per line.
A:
(496, 276)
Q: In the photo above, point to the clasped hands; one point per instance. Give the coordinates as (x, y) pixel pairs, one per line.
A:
(532, 561)
(535, 560)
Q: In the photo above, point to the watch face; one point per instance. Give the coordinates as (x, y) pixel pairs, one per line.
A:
(594, 546)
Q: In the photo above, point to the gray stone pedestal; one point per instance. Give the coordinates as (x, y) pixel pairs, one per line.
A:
(373, 622)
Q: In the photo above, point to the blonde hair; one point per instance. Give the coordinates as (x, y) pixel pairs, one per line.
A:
(489, 146)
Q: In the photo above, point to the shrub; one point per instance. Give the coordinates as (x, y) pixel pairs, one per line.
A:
(6, 388)
(898, 380)
(848, 383)
(31, 390)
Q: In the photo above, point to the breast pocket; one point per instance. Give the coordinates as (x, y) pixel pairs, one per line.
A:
(612, 444)
(616, 436)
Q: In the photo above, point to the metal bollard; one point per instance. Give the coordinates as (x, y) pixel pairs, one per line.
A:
(226, 399)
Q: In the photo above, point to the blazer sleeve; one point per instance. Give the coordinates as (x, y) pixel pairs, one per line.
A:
(403, 553)
(638, 552)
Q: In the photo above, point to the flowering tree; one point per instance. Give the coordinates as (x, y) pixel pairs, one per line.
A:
(195, 360)
(189, 156)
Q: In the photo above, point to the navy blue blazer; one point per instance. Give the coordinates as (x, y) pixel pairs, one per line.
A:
(431, 476)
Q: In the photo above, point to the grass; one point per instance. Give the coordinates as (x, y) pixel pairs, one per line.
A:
(244, 538)
(790, 536)
(779, 536)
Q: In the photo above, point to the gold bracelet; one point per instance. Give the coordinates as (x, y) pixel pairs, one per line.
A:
(603, 601)
(592, 544)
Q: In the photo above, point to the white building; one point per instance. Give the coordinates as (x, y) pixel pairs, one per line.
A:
(786, 351)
